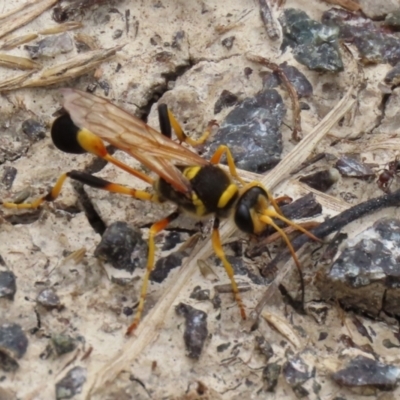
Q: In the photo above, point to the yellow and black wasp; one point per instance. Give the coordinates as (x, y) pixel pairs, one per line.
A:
(197, 186)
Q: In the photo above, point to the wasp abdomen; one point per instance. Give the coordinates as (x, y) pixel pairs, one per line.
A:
(64, 134)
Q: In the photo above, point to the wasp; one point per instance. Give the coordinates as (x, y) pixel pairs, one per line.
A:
(197, 186)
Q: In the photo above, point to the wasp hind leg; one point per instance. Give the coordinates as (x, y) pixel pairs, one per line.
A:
(155, 228)
(168, 122)
(216, 241)
(89, 180)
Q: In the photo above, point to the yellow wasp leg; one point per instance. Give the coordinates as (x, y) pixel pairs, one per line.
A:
(215, 159)
(182, 135)
(155, 228)
(216, 241)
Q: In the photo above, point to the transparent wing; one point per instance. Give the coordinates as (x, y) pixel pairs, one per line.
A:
(131, 135)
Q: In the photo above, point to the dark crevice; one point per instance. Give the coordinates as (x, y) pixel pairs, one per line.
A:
(27, 218)
(158, 91)
(357, 311)
(174, 75)
(382, 107)
(98, 164)
(174, 229)
(297, 305)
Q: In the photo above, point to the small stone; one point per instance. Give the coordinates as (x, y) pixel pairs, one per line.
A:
(252, 132)
(51, 46)
(228, 42)
(196, 331)
(226, 99)
(222, 347)
(117, 34)
(122, 281)
(63, 344)
(105, 85)
(172, 239)
(8, 177)
(322, 336)
(300, 392)
(296, 371)
(375, 45)
(270, 375)
(299, 81)
(350, 167)
(264, 347)
(8, 285)
(71, 384)
(35, 130)
(368, 373)
(49, 299)
(13, 345)
(321, 180)
(367, 270)
(200, 294)
(216, 301)
(393, 19)
(123, 247)
(177, 40)
(314, 44)
(389, 344)
(393, 76)
(127, 311)
(156, 40)
(47, 352)
(318, 310)
(164, 266)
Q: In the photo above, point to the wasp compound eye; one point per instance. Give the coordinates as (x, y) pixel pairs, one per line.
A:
(244, 212)
(243, 218)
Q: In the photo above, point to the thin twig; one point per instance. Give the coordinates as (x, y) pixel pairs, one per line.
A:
(347, 4)
(268, 19)
(296, 129)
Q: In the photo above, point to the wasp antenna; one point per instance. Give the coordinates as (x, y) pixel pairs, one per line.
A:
(273, 214)
(269, 221)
